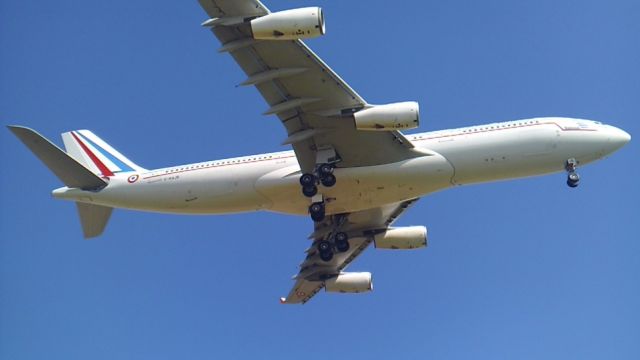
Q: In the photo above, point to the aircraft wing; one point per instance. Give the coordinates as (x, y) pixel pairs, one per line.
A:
(361, 227)
(310, 99)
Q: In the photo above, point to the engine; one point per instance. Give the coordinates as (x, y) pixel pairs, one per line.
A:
(410, 237)
(390, 117)
(303, 23)
(350, 283)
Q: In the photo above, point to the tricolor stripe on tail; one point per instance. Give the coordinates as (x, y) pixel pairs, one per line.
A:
(98, 156)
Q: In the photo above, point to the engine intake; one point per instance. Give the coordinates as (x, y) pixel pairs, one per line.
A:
(403, 238)
(390, 117)
(303, 23)
(350, 283)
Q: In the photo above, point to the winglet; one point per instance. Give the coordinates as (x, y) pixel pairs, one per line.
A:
(283, 300)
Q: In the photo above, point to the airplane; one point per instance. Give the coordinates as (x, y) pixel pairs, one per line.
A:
(351, 169)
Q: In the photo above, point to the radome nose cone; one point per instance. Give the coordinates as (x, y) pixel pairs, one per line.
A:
(620, 137)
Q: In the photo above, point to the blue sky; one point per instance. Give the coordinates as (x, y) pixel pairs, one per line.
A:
(526, 269)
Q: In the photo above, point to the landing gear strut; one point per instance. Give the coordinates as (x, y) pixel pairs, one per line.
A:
(573, 179)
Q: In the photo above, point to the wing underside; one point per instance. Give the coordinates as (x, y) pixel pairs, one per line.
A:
(361, 227)
(316, 108)
(311, 100)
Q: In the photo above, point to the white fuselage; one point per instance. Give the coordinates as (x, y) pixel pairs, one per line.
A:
(270, 182)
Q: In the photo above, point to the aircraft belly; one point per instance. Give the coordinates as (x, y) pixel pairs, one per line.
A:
(359, 188)
(497, 156)
(206, 191)
(228, 191)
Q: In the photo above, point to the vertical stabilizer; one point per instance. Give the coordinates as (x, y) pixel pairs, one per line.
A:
(93, 218)
(98, 156)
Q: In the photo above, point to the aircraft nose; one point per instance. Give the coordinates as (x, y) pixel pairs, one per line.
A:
(619, 137)
(616, 138)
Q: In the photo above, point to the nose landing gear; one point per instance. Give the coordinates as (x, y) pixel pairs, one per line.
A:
(573, 179)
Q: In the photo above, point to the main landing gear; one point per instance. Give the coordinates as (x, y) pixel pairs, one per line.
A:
(326, 248)
(316, 210)
(573, 179)
(323, 174)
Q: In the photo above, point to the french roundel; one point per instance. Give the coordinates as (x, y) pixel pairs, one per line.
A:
(132, 179)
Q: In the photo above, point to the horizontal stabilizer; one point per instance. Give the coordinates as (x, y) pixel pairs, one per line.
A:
(94, 218)
(67, 169)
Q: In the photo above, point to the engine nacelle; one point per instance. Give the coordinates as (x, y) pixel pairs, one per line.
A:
(350, 282)
(390, 117)
(303, 23)
(410, 237)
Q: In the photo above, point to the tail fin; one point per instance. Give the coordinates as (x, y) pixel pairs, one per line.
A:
(93, 218)
(95, 154)
(73, 174)
(68, 170)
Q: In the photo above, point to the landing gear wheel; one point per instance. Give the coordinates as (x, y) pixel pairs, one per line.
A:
(325, 169)
(573, 179)
(324, 246)
(316, 210)
(328, 180)
(326, 255)
(341, 237)
(307, 180)
(310, 190)
(342, 242)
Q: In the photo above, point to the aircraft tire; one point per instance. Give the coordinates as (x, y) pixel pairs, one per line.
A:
(307, 180)
(574, 177)
(328, 180)
(326, 255)
(310, 190)
(342, 245)
(325, 169)
(316, 210)
(324, 246)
